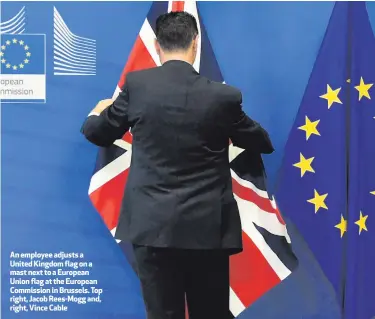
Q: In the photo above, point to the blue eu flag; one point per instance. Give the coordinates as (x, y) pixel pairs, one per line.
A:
(22, 54)
(360, 257)
(327, 180)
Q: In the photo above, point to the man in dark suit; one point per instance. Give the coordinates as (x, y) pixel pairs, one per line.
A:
(178, 209)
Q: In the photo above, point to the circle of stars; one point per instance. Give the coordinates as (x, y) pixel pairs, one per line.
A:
(9, 43)
(310, 127)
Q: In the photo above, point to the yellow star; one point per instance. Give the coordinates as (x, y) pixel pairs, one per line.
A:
(7, 42)
(3, 47)
(331, 96)
(363, 88)
(310, 127)
(373, 192)
(26, 61)
(1, 53)
(28, 53)
(21, 66)
(304, 164)
(15, 67)
(14, 40)
(3, 60)
(342, 225)
(8, 66)
(26, 47)
(21, 42)
(361, 222)
(348, 80)
(318, 201)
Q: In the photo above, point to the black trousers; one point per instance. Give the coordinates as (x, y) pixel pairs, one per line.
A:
(168, 276)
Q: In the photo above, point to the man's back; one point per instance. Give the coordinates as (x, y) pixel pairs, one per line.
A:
(178, 209)
(179, 192)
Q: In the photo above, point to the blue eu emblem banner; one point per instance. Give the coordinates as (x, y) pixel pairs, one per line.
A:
(327, 184)
(23, 68)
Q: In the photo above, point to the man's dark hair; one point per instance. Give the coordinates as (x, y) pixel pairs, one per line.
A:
(176, 30)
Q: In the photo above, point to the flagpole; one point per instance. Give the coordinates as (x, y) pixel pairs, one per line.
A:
(348, 66)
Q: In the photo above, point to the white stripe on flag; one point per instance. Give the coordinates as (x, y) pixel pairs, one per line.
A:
(273, 260)
(110, 171)
(113, 232)
(247, 184)
(123, 144)
(234, 151)
(148, 37)
(116, 93)
(235, 304)
(273, 203)
(170, 3)
(251, 212)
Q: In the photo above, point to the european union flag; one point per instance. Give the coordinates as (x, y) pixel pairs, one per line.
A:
(360, 259)
(22, 68)
(22, 54)
(327, 180)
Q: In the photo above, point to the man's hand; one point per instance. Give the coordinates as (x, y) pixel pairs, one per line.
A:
(102, 105)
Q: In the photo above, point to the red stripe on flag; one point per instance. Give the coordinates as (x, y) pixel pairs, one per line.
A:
(178, 5)
(107, 199)
(249, 195)
(128, 137)
(139, 59)
(250, 274)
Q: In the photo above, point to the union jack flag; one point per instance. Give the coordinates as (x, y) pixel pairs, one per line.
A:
(267, 258)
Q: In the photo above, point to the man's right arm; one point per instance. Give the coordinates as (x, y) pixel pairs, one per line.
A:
(245, 132)
(108, 121)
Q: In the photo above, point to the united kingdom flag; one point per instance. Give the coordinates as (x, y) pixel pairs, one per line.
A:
(267, 258)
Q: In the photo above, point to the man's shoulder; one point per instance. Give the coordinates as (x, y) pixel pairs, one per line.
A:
(224, 91)
(141, 74)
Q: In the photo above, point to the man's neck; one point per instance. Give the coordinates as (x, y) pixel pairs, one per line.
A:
(176, 57)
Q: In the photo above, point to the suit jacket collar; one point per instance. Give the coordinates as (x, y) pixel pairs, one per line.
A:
(181, 65)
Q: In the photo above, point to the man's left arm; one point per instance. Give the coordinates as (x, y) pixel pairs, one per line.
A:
(108, 121)
(245, 132)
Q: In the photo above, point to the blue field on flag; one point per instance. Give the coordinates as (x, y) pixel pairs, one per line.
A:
(22, 54)
(327, 177)
(360, 221)
(312, 189)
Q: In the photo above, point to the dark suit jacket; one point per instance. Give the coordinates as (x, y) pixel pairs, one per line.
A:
(179, 189)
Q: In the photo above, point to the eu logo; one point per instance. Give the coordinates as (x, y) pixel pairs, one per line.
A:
(23, 68)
